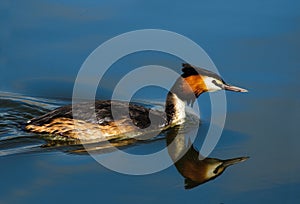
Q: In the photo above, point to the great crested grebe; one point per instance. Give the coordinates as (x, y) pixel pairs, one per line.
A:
(193, 82)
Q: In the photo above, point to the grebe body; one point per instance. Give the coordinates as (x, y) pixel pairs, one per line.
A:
(193, 82)
(86, 127)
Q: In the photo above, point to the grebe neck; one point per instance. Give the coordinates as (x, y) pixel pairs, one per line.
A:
(184, 91)
(175, 109)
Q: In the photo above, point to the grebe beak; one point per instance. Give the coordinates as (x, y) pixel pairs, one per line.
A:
(230, 162)
(233, 88)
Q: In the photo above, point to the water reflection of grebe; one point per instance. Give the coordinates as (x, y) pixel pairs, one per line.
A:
(193, 82)
(190, 164)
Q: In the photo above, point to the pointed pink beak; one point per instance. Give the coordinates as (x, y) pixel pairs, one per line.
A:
(233, 88)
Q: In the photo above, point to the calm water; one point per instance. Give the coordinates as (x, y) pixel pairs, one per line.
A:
(254, 44)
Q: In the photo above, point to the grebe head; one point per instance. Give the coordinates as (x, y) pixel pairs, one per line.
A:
(207, 169)
(200, 80)
(215, 167)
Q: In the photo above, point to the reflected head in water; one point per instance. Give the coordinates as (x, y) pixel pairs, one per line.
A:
(189, 162)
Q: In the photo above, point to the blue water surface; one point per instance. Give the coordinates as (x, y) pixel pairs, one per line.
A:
(254, 44)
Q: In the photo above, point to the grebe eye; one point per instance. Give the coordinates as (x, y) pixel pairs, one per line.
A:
(216, 83)
(216, 170)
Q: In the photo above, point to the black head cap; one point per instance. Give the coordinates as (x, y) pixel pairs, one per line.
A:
(189, 70)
